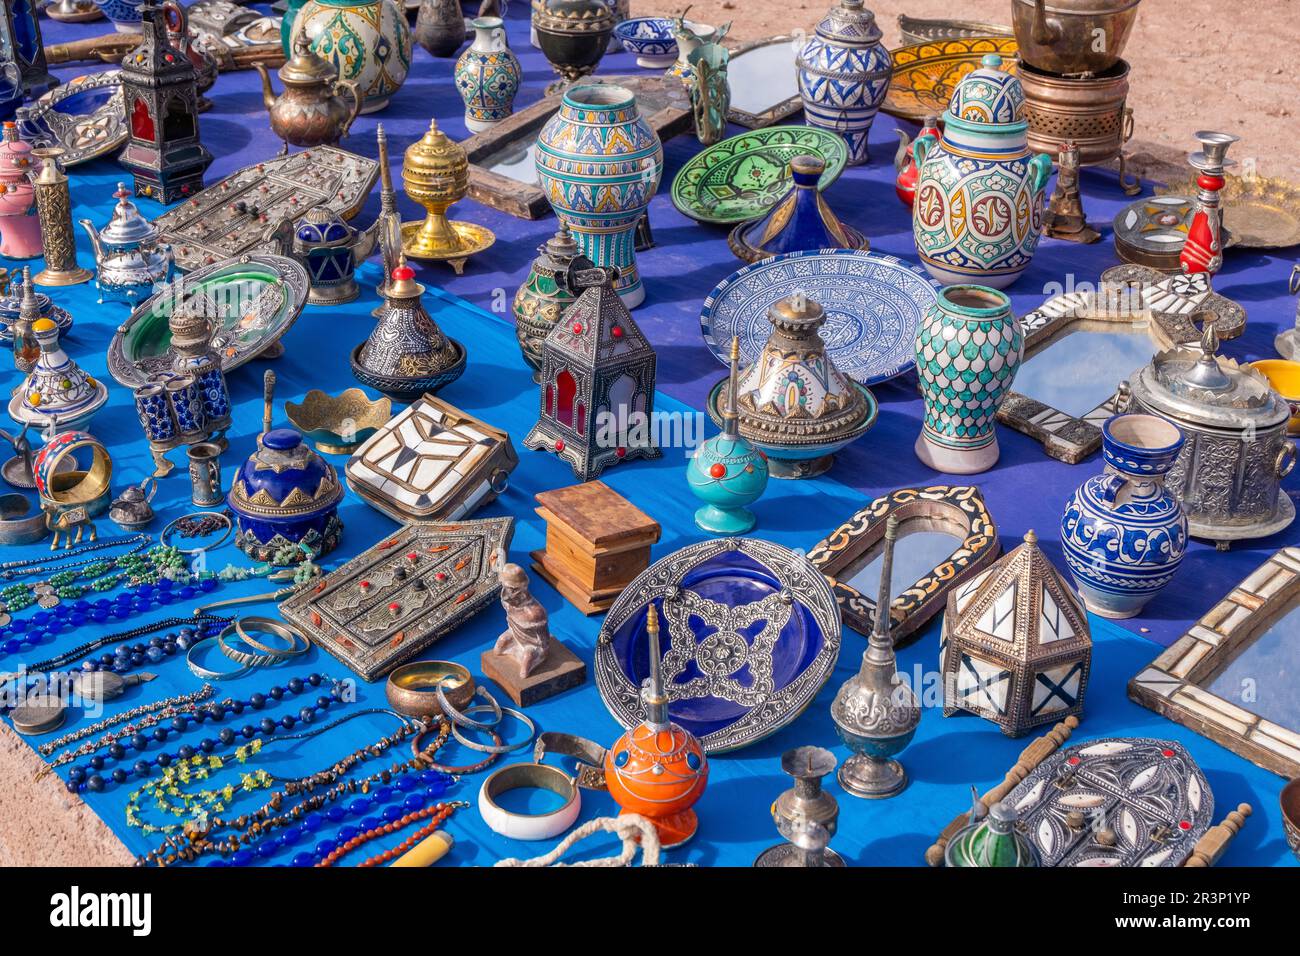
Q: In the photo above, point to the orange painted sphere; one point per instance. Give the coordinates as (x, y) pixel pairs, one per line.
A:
(656, 773)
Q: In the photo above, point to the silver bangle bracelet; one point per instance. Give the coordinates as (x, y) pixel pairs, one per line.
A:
(264, 625)
(504, 748)
(17, 524)
(458, 717)
(203, 673)
(247, 658)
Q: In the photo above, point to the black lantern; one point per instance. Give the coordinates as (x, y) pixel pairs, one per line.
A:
(161, 98)
(21, 45)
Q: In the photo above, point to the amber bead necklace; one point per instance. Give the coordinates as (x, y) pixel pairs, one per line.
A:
(439, 811)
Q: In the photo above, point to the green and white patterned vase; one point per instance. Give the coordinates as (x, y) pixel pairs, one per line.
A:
(978, 211)
(599, 163)
(368, 41)
(487, 76)
(968, 347)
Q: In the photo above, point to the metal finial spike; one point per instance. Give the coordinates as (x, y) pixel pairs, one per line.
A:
(656, 702)
(883, 600)
(1031, 537)
(731, 413)
(268, 399)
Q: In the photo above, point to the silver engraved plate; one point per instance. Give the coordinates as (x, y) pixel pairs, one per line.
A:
(751, 632)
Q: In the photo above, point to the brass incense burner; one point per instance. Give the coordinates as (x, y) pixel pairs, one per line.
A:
(435, 174)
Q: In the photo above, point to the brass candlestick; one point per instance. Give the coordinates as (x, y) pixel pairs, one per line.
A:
(435, 174)
(54, 209)
(875, 713)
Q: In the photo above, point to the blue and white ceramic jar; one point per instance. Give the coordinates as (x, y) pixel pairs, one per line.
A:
(488, 76)
(1123, 532)
(843, 74)
(978, 210)
(124, 14)
(285, 499)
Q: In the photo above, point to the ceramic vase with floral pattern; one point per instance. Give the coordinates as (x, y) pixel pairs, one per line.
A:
(1123, 532)
(599, 163)
(968, 348)
(978, 210)
(488, 76)
(368, 41)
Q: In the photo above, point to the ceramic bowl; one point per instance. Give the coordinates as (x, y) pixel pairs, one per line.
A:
(125, 14)
(408, 388)
(1284, 376)
(1291, 815)
(338, 424)
(650, 39)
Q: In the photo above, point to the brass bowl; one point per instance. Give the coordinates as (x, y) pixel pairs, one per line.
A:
(411, 688)
(338, 424)
(1260, 213)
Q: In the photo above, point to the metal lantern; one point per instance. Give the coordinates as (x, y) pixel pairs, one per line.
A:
(21, 44)
(597, 381)
(162, 103)
(1015, 647)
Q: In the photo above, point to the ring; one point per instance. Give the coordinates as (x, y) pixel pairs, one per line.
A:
(247, 658)
(457, 717)
(17, 524)
(497, 748)
(230, 526)
(264, 625)
(198, 670)
(528, 826)
(412, 688)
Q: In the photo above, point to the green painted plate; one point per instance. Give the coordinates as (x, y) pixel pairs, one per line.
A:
(743, 177)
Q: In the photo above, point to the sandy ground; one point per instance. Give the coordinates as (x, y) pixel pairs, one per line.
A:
(1196, 64)
(1193, 68)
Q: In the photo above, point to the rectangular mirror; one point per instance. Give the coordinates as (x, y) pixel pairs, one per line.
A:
(764, 82)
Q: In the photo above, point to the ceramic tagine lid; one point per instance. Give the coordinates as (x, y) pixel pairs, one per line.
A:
(406, 342)
(284, 480)
(127, 227)
(850, 22)
(1190, 383)
(793, 393)
(57, 387)
(988, 96)
(800, 221)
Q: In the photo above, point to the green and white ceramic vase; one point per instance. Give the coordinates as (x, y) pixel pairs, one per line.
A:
(968, 348)
(487, 76)
(978, 210)
(599, 163)
(368, 41)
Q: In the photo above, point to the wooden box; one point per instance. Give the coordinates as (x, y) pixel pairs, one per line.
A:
(596, 543)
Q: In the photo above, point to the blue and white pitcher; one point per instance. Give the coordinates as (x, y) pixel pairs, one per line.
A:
(978, 211)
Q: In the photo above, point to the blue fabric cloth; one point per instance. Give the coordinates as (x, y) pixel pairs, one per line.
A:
(1025, 490)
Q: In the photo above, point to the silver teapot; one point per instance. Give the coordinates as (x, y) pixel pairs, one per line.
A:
(131, 510)
(129, 257)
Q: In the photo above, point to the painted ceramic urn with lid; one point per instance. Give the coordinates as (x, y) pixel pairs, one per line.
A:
(285, 499)
(368, 41)
(978, 211)
(130, 259)
(843, 74)
(599, 163)
(1123, 532)
(57, 394)
(794, 404)
(1228, 474)
(20, 229)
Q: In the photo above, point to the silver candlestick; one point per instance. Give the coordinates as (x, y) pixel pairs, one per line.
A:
(875, 713)
(806, 814)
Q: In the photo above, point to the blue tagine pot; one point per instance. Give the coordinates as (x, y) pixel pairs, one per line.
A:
(1123, 532)
(285, 499)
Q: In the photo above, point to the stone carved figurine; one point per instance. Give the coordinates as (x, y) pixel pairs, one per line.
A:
(527, 637)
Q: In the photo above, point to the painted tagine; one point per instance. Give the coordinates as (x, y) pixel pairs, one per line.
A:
(316, 107)
(57, 393)
(285, 498)
(20, 229)
(368, 41)
(599, 163)
(801, 221)
(843, 73)
(968, 348)
(1123, 532)
(541, 300)
(488, 76)
(978, 211)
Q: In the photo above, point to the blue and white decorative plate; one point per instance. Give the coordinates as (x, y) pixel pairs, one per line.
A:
(873, 305)
(750, 633)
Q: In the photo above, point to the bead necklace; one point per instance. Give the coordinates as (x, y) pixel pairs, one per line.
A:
(439, 811)
(80, 779)
(102, 575)
(250, 827)
(169, 788)
(82, 650)
(428, 830)
(468, 769)
(9, 570)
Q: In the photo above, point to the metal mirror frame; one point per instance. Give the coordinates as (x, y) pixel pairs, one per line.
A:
(959, 509)
(1175, 683)
(776, 112)
(528, 201)
(1072, 438)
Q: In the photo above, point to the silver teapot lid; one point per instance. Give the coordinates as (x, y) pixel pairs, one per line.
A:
(1191, 383)
(127, 225)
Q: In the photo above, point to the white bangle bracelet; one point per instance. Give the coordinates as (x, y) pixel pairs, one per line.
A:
(524, 826)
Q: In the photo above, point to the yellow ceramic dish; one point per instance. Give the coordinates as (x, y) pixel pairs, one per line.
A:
(1284, 376)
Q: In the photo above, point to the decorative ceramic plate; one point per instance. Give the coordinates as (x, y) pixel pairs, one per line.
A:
(1261, 213)
(85, 116)
(925, 74)
(258, 297)
(744, 176)
(873, 305)
(750, 633)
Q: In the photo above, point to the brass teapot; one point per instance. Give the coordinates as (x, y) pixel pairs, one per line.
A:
(314, 108)
(1072, 36)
